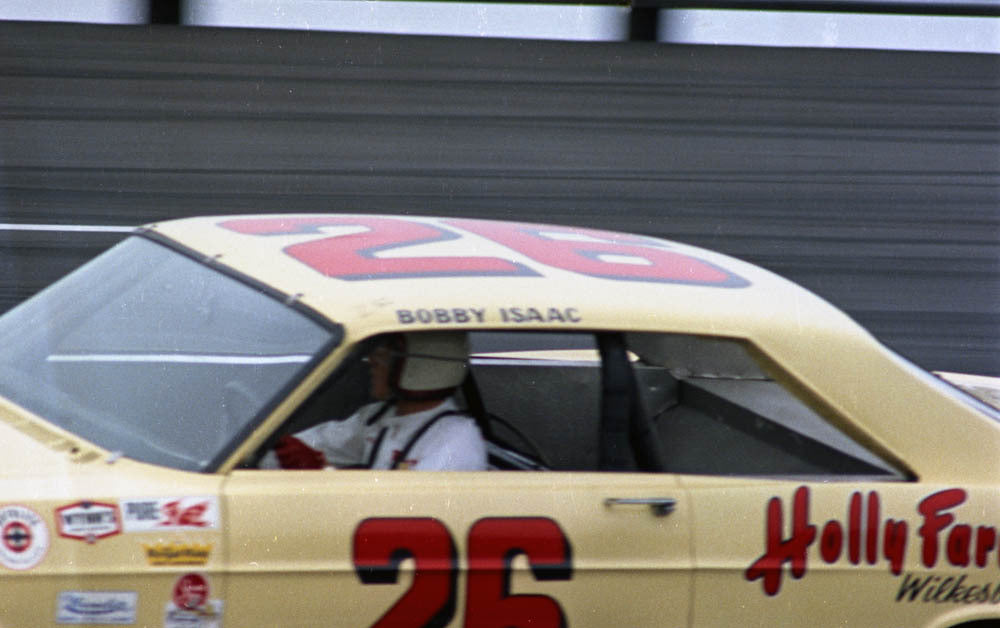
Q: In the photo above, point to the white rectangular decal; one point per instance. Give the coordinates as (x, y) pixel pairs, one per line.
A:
(156, 514)
(88, 521)
(209, 615)
(115, 608)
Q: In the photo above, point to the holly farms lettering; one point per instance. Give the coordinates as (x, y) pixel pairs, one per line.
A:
(866, 536)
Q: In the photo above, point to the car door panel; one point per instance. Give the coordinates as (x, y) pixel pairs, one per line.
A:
(455, 549)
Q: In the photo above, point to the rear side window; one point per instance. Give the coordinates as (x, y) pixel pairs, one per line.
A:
(713, 408)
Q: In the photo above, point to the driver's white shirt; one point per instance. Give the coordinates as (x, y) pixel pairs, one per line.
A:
(452, 443)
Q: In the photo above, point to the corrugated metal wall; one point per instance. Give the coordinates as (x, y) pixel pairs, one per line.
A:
(872, 178)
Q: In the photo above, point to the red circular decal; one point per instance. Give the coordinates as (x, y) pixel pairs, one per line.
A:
(191, 591)
(16, 536)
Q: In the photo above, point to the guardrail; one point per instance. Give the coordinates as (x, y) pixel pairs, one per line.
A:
(912, 7)
(645, 19)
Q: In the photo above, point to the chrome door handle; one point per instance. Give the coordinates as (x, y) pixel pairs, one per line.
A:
(662, 506)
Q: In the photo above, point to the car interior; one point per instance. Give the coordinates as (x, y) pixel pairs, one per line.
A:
(634, 402)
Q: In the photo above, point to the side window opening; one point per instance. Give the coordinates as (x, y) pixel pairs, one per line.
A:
(345, 391)
(710, 408)
(713, 408)
(727, 416)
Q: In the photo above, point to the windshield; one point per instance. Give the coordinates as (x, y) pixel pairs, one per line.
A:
(147, 352)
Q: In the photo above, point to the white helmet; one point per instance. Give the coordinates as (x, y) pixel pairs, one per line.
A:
(429, 364)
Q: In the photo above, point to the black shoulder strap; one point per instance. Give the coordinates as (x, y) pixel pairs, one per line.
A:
(379, 413)
(417, 435)
(378, 444)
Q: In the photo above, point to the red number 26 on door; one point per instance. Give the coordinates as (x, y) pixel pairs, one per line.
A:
(381, 544)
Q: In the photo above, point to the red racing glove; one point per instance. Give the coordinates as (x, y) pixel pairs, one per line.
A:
(292, 453)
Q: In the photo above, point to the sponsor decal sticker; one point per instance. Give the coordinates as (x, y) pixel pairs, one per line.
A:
(190, 591)
(170, 554)
(162, 514)
(88, 521)
(191, 605)
(208, 616)
(97, 607)
(865, 536)
(24, 538)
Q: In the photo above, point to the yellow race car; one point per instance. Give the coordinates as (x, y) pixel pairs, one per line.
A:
(671, 437)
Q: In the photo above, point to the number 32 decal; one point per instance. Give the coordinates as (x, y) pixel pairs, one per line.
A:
(381, 544)
(356, 255)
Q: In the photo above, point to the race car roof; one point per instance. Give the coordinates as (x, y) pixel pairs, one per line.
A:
(375, 273)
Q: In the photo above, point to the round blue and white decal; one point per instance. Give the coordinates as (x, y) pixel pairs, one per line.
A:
(24, 538)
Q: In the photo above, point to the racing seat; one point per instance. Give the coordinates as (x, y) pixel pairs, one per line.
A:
(501, 455)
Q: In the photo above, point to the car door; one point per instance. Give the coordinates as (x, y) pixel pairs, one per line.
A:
(383, 548)
(568, 546)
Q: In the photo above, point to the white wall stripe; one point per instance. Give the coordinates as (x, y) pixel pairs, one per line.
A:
(180, 358)
(72, 228)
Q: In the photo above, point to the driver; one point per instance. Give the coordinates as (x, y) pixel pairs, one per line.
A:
(414, 425)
